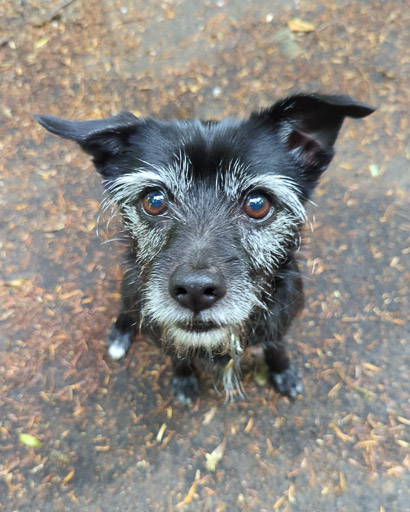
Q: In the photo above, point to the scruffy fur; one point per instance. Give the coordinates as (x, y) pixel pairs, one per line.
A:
(206, 277)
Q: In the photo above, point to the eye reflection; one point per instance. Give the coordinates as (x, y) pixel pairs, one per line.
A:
(257, 206)
(154, 203)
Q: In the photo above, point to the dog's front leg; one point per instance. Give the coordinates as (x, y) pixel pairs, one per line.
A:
(125, 327)
(282, 372)
(270, 330)
(184, 383)
(121, 335)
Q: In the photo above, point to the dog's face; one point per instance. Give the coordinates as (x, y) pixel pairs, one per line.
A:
(214, 209)
(209, 230)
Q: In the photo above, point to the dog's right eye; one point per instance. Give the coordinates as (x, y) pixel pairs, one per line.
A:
(257, 206)
(155, 202)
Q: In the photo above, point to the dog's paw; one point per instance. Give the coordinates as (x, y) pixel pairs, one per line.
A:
(288, 382)
(184, 388)
(118, 344)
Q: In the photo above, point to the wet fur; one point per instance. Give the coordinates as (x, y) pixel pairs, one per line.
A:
(206, 170)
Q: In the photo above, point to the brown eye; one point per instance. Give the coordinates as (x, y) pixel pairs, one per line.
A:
(154, 203)
(257, 206)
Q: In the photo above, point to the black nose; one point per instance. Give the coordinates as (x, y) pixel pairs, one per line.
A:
(196, 289)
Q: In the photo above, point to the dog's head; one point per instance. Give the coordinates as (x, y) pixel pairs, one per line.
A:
(213, 209)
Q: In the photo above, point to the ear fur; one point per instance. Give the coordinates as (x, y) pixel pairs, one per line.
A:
(308, 125)
(102, 138)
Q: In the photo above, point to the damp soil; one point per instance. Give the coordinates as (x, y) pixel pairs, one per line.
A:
(108, 436)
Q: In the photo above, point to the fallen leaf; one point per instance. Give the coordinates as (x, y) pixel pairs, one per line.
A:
(279, 503)
(342, 481)
(68, 477)
(403, 420)
(189, 496)
(209, 416)
(334, 389)
(341, 435)
(249, 426)
(161, 432)
(41, 42)
(30, 440)
(374, 170)
(291, 494)
(367, 395)
(213, 458)
(298, 25)
(16, 283)
(367, 443)
(261, 375)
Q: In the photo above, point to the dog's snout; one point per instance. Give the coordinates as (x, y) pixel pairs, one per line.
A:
(196, 289)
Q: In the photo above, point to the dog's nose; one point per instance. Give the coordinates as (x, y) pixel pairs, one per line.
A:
(196, 289)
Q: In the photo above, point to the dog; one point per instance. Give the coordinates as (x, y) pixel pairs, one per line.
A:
(213, 212)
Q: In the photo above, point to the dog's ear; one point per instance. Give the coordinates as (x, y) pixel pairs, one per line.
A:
(102, 138)
(308, 125)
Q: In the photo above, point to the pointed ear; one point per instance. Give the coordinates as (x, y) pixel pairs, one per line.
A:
(102, 138)
(308, 125)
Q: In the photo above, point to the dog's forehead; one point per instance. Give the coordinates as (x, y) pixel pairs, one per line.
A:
(183, 176)
(181, 179)
(186, 154)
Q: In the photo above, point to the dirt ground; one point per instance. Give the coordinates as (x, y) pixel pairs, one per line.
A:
(80, 432)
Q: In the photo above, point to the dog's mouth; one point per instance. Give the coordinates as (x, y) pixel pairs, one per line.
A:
(207, 334)
(198, 326)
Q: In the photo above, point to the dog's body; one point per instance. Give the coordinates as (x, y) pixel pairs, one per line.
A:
(214, 212)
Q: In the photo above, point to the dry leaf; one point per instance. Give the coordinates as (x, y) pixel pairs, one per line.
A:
(298, 25)
(41, 42)
(405, 421)
(342, 481)
(30, 440)
(261, 375)
(68, 477)
(249, 426)
(279, 502)
(191, 493)
(16, 283)
(341, 435)
(161, 432)
(209, 416)
(374, 170)
(213, 459)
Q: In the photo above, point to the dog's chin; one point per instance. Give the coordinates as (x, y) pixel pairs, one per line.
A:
(202, 336)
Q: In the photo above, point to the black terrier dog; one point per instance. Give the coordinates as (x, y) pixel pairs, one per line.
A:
(213, 212)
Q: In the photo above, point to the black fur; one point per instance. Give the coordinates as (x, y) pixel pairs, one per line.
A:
(223, 277)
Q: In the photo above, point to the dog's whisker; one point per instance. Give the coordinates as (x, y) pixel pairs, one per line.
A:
(111, 240)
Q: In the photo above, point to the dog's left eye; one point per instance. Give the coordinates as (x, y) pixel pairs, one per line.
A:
(257, 206)
(154, 203)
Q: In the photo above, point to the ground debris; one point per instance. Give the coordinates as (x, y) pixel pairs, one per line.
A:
(98, 420)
